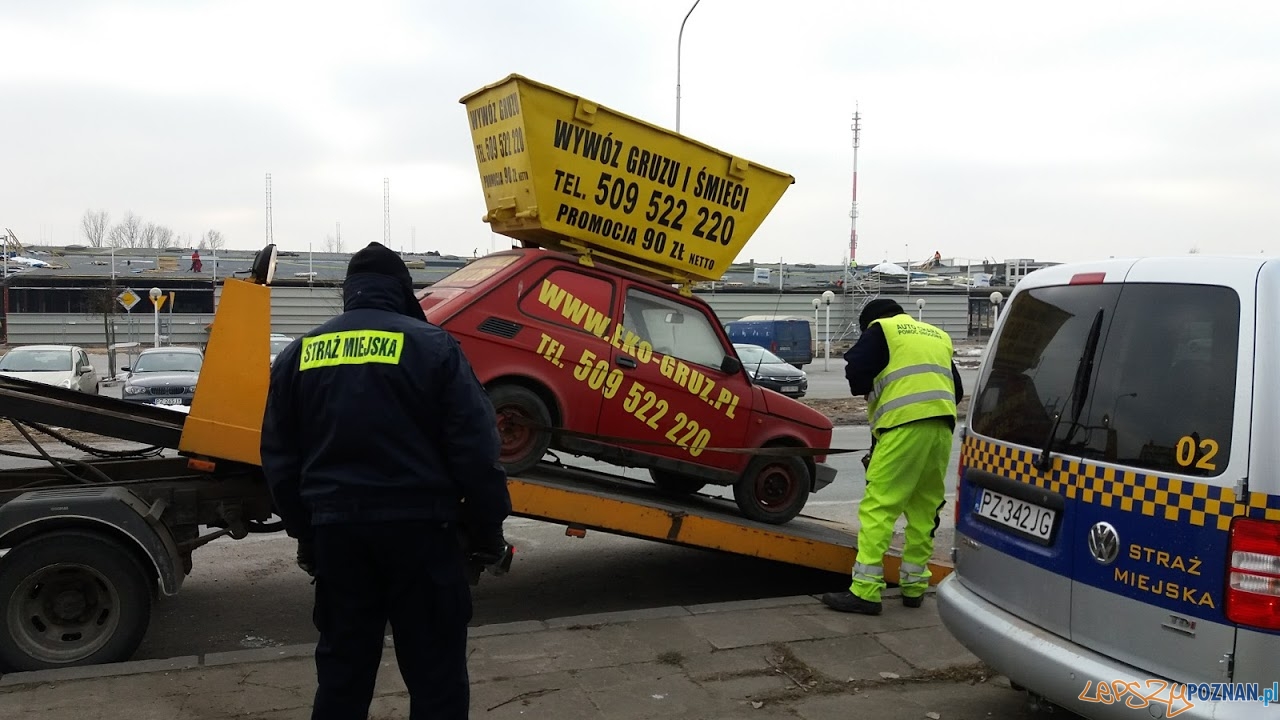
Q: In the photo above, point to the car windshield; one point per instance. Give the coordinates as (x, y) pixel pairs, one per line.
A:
(168, 362)
(32, 360)
(279, 344)
(756, 355)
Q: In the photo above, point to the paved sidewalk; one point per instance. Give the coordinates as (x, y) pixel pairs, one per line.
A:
(778, 658)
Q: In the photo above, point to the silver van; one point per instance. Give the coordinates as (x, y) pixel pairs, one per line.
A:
(1118, 509)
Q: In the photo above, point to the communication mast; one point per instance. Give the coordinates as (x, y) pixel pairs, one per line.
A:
(386, 211)
(269, 240)
(857, 289)
(853, 212)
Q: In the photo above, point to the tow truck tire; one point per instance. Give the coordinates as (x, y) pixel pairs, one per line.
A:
(773, 489)
(70, 598)
(522, 446)
(676, 483)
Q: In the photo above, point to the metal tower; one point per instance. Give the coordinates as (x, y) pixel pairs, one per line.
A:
(386, 211)
(859, 289)
(269, 240)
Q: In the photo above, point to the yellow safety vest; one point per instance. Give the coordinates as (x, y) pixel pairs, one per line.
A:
(917, 382)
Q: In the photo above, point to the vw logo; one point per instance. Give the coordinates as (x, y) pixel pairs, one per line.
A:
(1104, 543)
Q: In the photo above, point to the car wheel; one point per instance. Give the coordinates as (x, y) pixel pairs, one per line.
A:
(675, 483)
(773, 489)
(521, 414)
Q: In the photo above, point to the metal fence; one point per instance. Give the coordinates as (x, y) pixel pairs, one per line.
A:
(296, 310)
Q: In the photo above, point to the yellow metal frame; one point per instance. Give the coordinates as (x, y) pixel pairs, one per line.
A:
(225, 421)
(540, 501)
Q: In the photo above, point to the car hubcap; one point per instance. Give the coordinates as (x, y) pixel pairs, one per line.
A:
(775, 488)
(63, 613)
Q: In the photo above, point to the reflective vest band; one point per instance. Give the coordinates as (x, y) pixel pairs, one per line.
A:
(883, 382)
(351, 347)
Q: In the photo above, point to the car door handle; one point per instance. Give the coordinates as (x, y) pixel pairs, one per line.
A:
(626, 362)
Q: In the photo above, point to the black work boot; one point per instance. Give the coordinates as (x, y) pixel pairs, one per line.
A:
(850, 603)
(913, 602)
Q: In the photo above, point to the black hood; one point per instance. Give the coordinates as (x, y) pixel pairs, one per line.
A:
(380, 292)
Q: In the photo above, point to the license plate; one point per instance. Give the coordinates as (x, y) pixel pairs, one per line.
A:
(1025, 517)
(169, 401)
(790, 388)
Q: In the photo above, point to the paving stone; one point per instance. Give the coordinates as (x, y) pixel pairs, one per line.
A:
(663, 697)
(259, 654)
(760, 604)
(894, 617)
(859, 657)
(952, 701)
(604, 679)
(508, 656)
(553, 695)
(743, 629)
(511, 628)
(617, 617)
(927, 648)
(746, 688)
(99, 671)
(726, 662)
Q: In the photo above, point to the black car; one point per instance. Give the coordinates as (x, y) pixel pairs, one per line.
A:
(770, 371)
(164, 376)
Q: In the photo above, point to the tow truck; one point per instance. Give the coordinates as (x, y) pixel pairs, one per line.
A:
(90, 544)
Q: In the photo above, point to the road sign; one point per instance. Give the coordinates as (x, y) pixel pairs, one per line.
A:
(128, 299)
(159, 301)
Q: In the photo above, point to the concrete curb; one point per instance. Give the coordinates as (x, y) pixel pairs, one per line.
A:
(258, 655)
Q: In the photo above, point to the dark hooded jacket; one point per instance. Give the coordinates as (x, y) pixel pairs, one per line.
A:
(376, 415)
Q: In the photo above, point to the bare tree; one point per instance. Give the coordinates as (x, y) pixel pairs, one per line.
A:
(127, 233)
(332, 244)
(213, 240)
(164, 237)
(94, 226)
(149, 236)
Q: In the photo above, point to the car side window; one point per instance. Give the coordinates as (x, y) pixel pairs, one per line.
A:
(673, 328)
(1035, 359)
(1164, 399)
(571, 299)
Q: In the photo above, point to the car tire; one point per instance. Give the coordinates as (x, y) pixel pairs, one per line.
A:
(773, 489)
(517, 409)
(675, 483)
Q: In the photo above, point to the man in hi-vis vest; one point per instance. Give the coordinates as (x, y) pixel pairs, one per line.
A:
(904, 367)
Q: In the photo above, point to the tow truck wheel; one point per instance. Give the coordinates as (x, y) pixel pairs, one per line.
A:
(520, 411)
(71, 598)
(773, 489)
(676, 483)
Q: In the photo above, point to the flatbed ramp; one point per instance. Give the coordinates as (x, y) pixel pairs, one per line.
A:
(588, 500)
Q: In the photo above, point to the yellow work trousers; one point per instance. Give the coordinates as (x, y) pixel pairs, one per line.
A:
(906, 475)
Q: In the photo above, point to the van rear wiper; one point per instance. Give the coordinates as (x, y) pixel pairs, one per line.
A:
(1078, 393)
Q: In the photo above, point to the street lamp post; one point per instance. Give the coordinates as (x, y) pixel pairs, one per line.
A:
(817, 303)
(920, 307)
(996, 298)
(827, 297)
(679, 47)
(155, 294)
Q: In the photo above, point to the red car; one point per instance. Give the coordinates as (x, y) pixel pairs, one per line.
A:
(607, 364)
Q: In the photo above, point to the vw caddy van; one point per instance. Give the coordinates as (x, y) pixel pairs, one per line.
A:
(1118, 511)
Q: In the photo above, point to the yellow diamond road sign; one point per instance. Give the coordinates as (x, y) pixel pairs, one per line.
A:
(128, 299)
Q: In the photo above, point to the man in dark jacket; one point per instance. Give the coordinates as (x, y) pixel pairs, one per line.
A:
(378, 444)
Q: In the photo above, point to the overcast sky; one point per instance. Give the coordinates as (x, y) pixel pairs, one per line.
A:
(1064, 131)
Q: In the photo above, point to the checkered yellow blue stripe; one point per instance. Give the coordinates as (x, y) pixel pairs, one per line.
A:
(1152, 495)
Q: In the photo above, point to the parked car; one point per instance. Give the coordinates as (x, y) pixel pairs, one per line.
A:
(163, 376)
(640, 376)
(1118, 507)
(789, 338)
(768, 370)
(278, 344)
(66, 366)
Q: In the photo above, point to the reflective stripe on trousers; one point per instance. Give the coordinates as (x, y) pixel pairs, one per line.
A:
(913, 574)
(907, 371)
(868, 573)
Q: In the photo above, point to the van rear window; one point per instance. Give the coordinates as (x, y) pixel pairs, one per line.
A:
(476, 271)
(1162, 395)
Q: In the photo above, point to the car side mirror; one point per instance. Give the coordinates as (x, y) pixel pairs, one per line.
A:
(731, 365)
(126, 368)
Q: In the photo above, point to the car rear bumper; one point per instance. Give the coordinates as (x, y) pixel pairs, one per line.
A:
(823, 475)
(1057, 669)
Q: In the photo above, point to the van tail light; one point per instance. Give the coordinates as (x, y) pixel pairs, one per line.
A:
(773, 346)
(1253, 586)
(959, 482)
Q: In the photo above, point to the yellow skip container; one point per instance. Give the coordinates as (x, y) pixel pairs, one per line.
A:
(565, 173)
